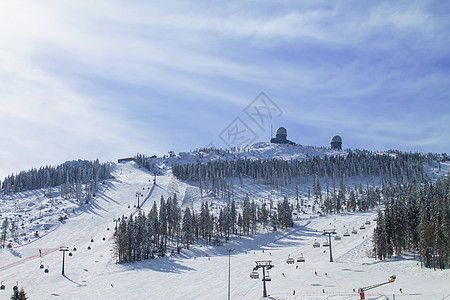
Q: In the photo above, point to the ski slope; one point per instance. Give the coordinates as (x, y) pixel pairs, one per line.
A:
(202, 271)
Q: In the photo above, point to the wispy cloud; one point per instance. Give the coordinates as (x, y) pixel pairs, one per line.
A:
(106, 78)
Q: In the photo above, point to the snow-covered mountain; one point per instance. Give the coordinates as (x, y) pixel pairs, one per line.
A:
(201, 272)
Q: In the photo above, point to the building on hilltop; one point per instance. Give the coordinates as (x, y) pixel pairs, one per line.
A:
(336, 142)
(281, 137)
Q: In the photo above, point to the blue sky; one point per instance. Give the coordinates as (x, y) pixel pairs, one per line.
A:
(109, 79)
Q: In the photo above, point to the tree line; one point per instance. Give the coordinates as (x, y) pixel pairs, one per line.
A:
(215, 176)
(146, 236)
(70, 176)
(416, 217)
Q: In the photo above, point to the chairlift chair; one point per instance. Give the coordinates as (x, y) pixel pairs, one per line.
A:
(316, 244)
(267, 277)
(326, 244)
(290, 261)
(46, 270)
(301, 258)
(367, 222)
(41, 266)
(70, 254)
(337, 237)
(354, 231)
(362, 227)
(2, 287)
(254, 275)
(346, 234)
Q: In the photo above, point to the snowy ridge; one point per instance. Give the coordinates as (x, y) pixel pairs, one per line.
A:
(255, 151)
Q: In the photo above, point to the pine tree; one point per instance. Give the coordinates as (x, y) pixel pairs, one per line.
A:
(246, 217)
(19, 295)
(4, 235)
(188, 233)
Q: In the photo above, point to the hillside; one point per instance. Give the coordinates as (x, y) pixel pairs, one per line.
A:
(200, 272)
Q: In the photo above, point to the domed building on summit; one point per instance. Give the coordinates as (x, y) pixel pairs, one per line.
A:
(336, 142)
(281, 137)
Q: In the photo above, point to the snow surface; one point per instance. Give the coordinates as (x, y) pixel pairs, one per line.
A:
(202, 271)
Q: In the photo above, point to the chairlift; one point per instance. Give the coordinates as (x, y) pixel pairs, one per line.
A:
(354, 231)
(337, 237)
(316, 244)
(74, 249)
(46, 270)
(346, 234)
(70, 254)
(267, 277)
(362, 227)
(301, 258)
(92, 240)
(254, 275)
(367, 222)
(89, 247)
(41, 266)
(2, 287)
(290, 260)
(326, 244)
